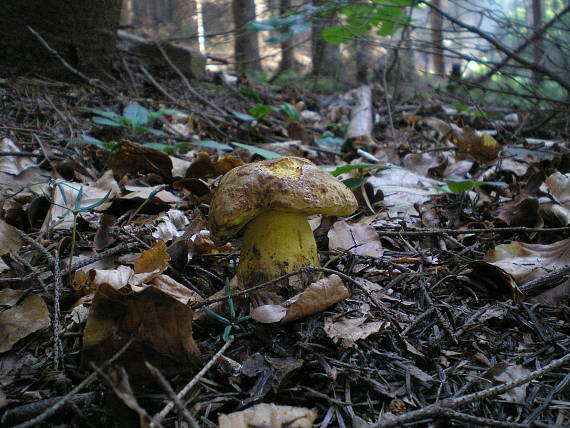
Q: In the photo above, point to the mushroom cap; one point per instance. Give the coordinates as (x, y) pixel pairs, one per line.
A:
(288, 184)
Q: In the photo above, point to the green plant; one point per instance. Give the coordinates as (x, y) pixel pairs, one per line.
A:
(355, 182)
(74, 208)
(234, 320)
(261, 111)
(135, 117)
(459, 187)
(384, 16)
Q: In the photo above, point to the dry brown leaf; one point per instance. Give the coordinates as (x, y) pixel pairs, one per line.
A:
(482, 148)
(154, 259)
(555, 296)
(557, 212)
(526, 262)
(135, 159)
(424, 163)
(349, 330)
(9, 297)
(269, 415)
(13, 165)
(360, 239)
(403, 189)
(22, 320)
(154, 316)
(10, 241)
(503, 373)
(315, 298)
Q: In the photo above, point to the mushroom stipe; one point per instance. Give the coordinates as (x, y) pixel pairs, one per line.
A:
(270, 201)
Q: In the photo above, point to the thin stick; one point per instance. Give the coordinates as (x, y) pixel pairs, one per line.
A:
(429, 232)
(164, 412)
(93, 82)
(172, 395)
(451, 403)
(57, 406)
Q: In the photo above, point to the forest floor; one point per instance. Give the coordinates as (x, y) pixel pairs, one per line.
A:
(449, 304)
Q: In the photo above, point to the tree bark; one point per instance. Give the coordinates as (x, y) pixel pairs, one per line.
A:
(437, 39)
(246, 43)
(83, 32)
(325, 56)
(287, 46)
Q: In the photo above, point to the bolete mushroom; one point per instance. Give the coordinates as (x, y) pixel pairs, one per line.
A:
(271, 200)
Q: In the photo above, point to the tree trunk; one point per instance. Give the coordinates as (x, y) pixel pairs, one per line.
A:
(287, 53)
(83, 32)
(538, 49)
(437, 39)
(246, 43)
(325, 56)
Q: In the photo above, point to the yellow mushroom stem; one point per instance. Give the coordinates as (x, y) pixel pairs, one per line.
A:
(275, 243)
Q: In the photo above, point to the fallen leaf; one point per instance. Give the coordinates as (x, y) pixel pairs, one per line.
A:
(22, 320)
(349, 330)
(314, 299)
(269, 415)
(556, 296)
(358, 238)
(480, 147)
(503, 373)
(9, 238)
(403, 189)
(135, 159)
(13, 165)
(526, 262)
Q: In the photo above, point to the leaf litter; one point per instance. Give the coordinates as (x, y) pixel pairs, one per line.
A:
(450, 279)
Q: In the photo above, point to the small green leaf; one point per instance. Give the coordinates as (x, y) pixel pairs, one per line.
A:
(159, 146)
(244, 318)
(106, 122)
(290, 111)
(460, 186)
(336, 34)
(227, 332)
(354, 183)
(163, 112)
(152, 131)
(96, 204)
(387, 28)
(216, 315)
(212, 145)
(328, 139)
(107, 114)
(250, 93)
(345, 168)
(78, 199)
(243, 116)
(261, 110)
(261, 26)
(137, 114)
(259, 151)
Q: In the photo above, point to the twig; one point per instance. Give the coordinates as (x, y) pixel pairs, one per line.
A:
(57, 327)
(164, 412)
(537, 34)
(93, 82)
(172, 395)
(188, 85)
(57, 406)
(445, 405)
(430, 232)
(529, 64)
(550, 278)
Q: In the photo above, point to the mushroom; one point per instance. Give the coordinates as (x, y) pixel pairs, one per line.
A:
(271, 200)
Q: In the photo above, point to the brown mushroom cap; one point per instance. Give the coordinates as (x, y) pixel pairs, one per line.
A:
(288, 184)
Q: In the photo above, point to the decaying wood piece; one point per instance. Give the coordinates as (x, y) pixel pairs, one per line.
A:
(187, 60)
(359, 133)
